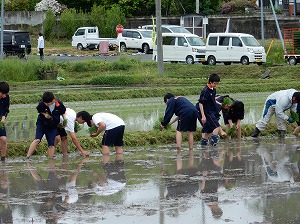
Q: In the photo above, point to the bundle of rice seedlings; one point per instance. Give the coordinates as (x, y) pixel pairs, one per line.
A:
(294, 116)
(227, 101)
(64, 123)
(92, 129)
(77, 127)
(1, 125)
(156, 125)
(231, 131)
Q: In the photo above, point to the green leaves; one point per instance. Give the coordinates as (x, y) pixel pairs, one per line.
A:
(92, 129)
(294, 116)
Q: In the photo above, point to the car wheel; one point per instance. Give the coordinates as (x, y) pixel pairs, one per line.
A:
(245, 60)
(79, 47)
(189, 60)
(122, 47)
(146, 48)
(292, 61)
(227, 63)
(211, 60)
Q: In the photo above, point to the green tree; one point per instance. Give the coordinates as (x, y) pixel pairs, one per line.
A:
(17, 5)
(114, 16)
(49, 24)
(70, 20)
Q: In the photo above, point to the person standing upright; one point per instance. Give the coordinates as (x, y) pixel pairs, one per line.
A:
(41, 45)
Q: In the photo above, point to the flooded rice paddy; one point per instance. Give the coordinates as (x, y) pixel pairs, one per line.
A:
(139, 114)
(235, 182)
(247, 181)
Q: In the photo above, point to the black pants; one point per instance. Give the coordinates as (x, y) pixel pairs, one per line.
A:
(41, 51)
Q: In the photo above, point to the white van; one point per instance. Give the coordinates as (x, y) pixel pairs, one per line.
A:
(233, 47)
(181, 47)
(168, 28)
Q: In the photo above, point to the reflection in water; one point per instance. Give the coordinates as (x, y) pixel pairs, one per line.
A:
(229, 183)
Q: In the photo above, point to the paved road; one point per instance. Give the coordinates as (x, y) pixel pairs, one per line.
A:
(60, 58)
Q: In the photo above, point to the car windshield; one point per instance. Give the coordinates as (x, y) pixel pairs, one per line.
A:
(146, 33)
(195, 41)
(250, 41)
(22, 37)
(179, 29)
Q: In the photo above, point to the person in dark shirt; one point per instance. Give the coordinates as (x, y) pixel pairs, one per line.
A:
(50, 109)
(208, 112)
(4, 110)
(186, 114)
(233, 112)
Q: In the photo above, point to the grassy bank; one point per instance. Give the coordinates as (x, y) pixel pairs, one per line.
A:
(131, 78)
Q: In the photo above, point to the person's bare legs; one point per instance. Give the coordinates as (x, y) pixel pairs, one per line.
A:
(51, 151)
(239, 132)
(190, 139)
(3, 145)
(32, 147)
(119, 149)
(105, 150)
(64, 145)
(179, 139)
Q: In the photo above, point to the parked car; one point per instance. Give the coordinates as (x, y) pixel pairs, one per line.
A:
(88, 37)
(292, 45)
(16, 42)
(136, 39)
(181, 47)
(168, 28)
(233, 48)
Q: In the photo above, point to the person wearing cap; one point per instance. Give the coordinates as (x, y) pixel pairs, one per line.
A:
(276, 104)
(233, 112)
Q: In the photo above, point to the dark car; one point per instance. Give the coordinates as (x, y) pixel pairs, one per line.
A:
(16, 42)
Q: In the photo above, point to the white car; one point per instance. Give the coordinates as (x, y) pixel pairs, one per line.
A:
(136, 39)
(168, 28)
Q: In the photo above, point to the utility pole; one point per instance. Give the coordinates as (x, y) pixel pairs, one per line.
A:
(2, 27)
(262, 22)
(159, 49)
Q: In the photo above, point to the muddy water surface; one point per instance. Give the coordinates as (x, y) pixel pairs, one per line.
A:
(235, 182)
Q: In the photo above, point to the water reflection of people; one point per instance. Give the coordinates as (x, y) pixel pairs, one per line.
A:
(49, 188)
(71, 194)
(211, 170)
(234, 166)
(182, 183)
(276, 163)
(114, 179)
(5, 210)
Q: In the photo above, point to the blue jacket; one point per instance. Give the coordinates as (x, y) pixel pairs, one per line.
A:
(207, 99)
(4, 106)
(59, 110)
(180, 107)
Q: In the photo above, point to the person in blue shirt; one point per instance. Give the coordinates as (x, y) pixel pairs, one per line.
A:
(50, 109)
(4, 110)
(209, 112)
(187, 116)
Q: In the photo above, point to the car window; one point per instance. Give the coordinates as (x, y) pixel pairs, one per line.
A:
(79, 32)
(195, 41)
(181, 41)
(223, 41)
(179, 30)
(136, 35)
(165, 30)
(250, 41)
(236, 42)
(6, 38)
(146, 33)
(22, 37)
(212, 41)
(169, 40)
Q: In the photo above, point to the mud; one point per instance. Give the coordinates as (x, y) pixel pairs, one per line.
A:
(248, 181)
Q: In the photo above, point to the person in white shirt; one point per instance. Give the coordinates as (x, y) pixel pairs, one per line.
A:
(41, 46)
(112, 125)
(70, 116)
